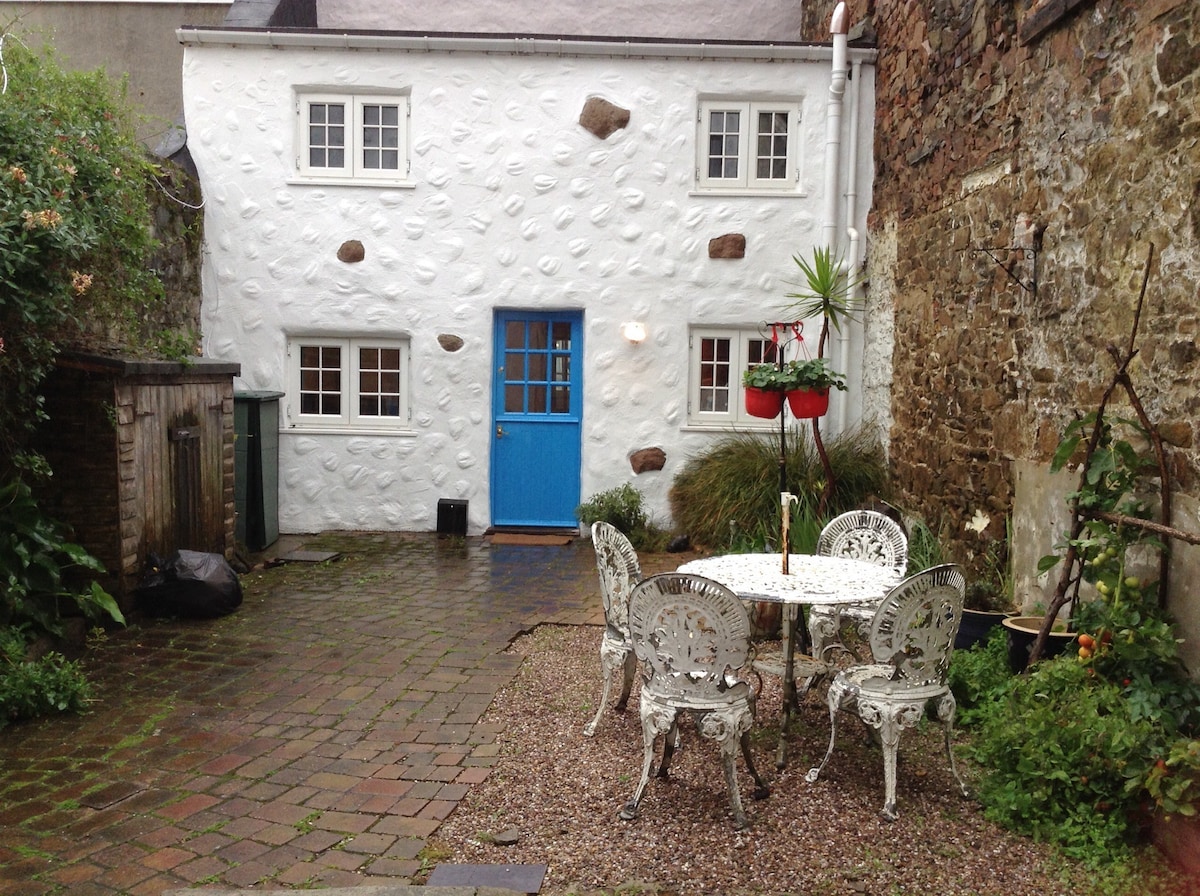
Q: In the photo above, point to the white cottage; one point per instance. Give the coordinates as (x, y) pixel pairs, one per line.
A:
(494, 254)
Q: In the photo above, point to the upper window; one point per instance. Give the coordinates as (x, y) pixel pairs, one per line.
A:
(353, 137)
(348, 383)
(748, 145)
(718, 358)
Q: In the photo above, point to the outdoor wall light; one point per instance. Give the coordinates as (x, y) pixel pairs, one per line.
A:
(634, 331)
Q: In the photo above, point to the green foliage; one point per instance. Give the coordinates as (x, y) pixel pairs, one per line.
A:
(813, 373)
(730, 492)
(34, 561)
(1056, 751)
(924, 547)
(624, 508)
(826, 290)
(1075, 748)
(75, 241)
(29, 689)
(979, 677)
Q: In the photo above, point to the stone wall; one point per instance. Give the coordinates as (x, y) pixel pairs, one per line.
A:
(1026, 142)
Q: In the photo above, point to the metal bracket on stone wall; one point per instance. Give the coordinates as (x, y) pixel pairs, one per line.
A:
(1031, 255)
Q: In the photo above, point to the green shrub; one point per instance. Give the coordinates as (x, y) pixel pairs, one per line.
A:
(29, 689)
(35, 559)
(623, 507)
(980, 677)
(75, 241)
(729, 494)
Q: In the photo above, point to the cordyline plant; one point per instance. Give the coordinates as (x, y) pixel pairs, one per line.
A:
(75, 224)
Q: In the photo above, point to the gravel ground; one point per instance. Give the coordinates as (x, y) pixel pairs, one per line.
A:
(560, 792)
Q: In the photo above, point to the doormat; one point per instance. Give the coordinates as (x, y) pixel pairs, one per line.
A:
(520, 538)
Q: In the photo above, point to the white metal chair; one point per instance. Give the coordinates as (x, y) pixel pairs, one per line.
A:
(911, 638)
(864, 535)
(617, 563)
(691, 636)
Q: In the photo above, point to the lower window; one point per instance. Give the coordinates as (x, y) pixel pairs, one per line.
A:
(351, 383)
(717, 359)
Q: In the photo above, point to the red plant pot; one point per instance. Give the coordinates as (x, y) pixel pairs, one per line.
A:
(808, 402)
(763, 402)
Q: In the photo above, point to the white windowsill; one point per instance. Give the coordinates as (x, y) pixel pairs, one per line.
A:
(306, 429)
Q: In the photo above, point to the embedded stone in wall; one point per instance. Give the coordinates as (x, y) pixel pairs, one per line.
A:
(731, 245)
(449, 342)
(602, 118)
(351, 252)
(647, 460)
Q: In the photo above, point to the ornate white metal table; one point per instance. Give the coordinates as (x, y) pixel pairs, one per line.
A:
(810, 579)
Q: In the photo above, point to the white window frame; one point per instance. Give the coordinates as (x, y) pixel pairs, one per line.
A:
(746, 347)
(348, 418)
(747, 178)
(357, 137)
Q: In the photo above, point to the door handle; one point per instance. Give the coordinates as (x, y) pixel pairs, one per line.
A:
(500, 433)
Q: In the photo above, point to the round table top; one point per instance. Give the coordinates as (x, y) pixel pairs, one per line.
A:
(810, 579)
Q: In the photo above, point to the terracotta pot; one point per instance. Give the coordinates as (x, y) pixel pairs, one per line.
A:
(1023, 631)
(806, 403)
(763, 402)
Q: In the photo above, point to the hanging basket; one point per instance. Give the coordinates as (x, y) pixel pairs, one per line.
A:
(763, 402)
(805, 403)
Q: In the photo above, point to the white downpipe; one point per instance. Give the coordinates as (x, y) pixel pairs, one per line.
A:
(839, 28)
(833, 128)
(854, 251)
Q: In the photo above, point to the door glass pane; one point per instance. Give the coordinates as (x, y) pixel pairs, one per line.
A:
(537, 399)
(514, 367)
(537, 367)
(514, 334)
(514, 399)
(562, 368)
(539, 334)
(561, 398)
(562, 336)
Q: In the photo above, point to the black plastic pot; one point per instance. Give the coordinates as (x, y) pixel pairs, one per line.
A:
(1023, 631)
(975, 627)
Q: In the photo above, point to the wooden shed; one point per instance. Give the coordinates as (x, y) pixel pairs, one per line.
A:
(143, 459)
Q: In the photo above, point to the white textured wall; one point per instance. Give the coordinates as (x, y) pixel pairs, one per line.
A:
(516, 205)
(766, 20)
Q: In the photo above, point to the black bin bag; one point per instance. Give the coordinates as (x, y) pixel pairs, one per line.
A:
(189, 584)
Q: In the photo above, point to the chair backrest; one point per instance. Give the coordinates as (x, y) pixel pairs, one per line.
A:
(866, 535)
(617, 563)
(914, 627)
(690, 635)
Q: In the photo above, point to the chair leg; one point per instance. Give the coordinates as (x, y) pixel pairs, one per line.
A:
(833, 699)
(889, 732)
(670, 743)
(946, 708)
(761, 789)
(655, 720)
(729, 761)
(610, 661)
(630, 668)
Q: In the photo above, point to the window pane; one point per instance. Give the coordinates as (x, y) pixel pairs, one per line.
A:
(560, 399)
(538, 367)
(562, 335)
(514, 334)
(514, 399)
(771, 153)
(378, 382)
(537, 399)
(326, 135)
(562, 368)
(714, 374)
(539, 334)
(514, 367)
(380, 128)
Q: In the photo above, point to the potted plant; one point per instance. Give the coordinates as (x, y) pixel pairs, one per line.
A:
(805, 384)
(808, 387)
(765, 388)
(989, 598)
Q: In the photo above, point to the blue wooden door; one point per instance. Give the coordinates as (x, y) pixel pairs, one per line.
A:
(537, 405)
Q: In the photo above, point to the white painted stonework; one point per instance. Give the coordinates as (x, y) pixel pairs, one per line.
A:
(512, 205)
